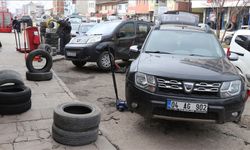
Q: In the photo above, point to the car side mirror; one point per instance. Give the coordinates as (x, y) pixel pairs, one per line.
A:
(134, 48)
(233, 57)
(121, 34)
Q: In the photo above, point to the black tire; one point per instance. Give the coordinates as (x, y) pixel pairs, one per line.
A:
(74, 116)
(74, 138)
(79, 64)
(103, 61)
(46, 47)
(42, 53)
(14, 94)
(0, 44)
(229, 26)
(46, 76)
(10, 76)
(15, 109)
(126, 60)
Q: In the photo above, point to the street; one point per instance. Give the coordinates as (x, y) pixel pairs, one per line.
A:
(126, 130)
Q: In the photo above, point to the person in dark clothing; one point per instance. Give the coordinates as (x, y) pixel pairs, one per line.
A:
(63, 32)
(16, 25)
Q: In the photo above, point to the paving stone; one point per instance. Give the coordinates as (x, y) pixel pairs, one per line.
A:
(33, 145)
(47, 113)
(8, 119)
(42, 124)
(44, 134)
(103, 144)
(30, 115)
(6, 147)
(8, 137)
(8, 128)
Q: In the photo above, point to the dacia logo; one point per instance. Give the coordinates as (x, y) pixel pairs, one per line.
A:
(188, 86)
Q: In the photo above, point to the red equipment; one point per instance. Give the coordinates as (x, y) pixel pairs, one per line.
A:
(31, 40)
(5, 21)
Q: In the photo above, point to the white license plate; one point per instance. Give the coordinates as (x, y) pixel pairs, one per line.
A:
(73, 54)
(186, 106)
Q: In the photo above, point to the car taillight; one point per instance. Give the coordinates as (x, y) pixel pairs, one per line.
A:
(228, 52)
(248, 93)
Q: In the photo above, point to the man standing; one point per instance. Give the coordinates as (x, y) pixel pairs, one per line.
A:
(16, 25)
(63, 32)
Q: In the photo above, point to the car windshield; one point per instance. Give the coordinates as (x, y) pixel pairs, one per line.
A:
(85, 28)
(103, 28)
(183, 43)
(75, 26)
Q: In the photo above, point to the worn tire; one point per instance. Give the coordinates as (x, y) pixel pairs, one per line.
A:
(42, 53)
(46, 47)
(46, 76)
(74, 138)
(79, 64)
(15, 109)
(10, 76)
(77, 117)
(14, 94)
(102, 61)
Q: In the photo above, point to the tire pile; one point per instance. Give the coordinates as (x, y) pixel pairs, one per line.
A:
(75, 123)
(43, 74)
(51, 39)
(15, 97)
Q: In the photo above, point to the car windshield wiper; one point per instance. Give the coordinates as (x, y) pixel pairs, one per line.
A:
(160, 52)
(197, 55)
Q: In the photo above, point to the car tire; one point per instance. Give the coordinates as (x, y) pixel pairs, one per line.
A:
(15, 109)
(125, 60)
(79, 64)
(227, 41)
(47, 48)
(42, 53)
(14, 94)
(10, 76)
(74, 138)
(77, 117)
(103, 61)
(45, 76)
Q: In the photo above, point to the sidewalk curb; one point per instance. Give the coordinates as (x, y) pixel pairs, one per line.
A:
(55, 59)
(63, 85)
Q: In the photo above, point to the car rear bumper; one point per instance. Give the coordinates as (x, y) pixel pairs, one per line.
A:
(151, 105)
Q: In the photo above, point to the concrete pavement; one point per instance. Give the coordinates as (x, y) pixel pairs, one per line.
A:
(32, 129)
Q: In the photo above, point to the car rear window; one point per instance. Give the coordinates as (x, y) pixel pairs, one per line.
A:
(184, 43)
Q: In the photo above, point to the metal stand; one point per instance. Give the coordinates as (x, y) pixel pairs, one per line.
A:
(121, 105)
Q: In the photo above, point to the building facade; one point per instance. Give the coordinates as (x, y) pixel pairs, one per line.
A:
(33, 10)
(85, 7)
(69, 7)
(58, 7)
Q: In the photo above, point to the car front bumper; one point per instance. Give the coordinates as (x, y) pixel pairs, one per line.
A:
(81, 52)
(151, 105)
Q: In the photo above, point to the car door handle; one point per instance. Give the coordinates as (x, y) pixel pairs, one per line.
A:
(240, 54)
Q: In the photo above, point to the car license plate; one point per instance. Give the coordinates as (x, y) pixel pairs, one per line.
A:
(186, 106)
(72, 54)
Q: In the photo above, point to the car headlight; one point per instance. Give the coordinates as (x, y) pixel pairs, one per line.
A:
(145, 81)
(229, 89)
(94, 39)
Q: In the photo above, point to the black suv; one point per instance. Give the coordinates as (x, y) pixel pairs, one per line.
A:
(117, 35)
(182, 73)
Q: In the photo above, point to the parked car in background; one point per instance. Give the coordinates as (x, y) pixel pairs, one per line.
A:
(27, 20)
(240, 45)
(182, 73)
(117, 35)
(228, 38)
(84, 27)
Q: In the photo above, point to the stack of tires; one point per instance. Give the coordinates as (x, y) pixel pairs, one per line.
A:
(76, 123)
(41, 74)
(15, 97)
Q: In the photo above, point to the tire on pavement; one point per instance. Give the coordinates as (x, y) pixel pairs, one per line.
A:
(103, 61)
(45, 76)
(74, 138)
(14, 94)
(42, 53)
(10, 76)
(75, 116)
(79, 64)
(15, 109)
(46, 47)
